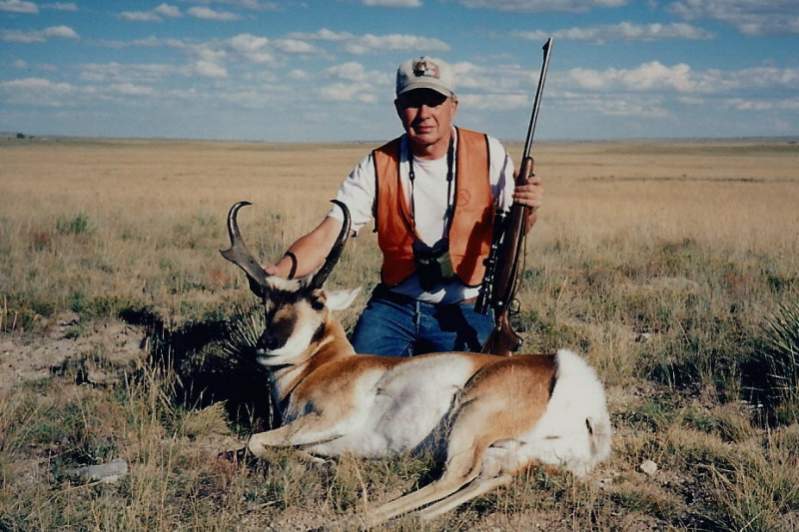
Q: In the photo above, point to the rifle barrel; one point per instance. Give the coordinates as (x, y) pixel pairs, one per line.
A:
(528, 143)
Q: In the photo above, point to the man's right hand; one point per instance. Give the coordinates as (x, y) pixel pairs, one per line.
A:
(270, 269)
(281, 269)
(310, 251)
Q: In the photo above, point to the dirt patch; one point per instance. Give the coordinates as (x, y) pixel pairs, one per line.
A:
(93, 349)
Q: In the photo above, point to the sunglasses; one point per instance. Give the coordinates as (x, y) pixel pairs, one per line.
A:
(420, 97)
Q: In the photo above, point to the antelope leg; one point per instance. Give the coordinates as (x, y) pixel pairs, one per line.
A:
(307, 430)
(476, 488)
(460, 471)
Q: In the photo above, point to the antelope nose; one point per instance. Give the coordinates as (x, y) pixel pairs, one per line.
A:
(269, 342)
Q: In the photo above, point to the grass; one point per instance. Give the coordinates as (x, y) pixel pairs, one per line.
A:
(676, 279)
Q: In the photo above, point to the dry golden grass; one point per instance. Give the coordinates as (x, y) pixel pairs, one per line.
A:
(660, 261)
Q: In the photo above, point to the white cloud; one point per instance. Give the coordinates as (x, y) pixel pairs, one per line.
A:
(18, 6)
(624, 107)
(129, 89)
(254, 5)
(657, 77)
(362, 44)
(209, 69)
(634, 106)
(36, 91)
(651, 91)
(154, 15)
(295, 46)
(741, 104)
(61, 6)
(350, 71)
(36, 84)
(392, 3)
(760, 78)
(648, 76)
(259, 58)
(150, 42)
(494, 78)
(626, 31)
(28, 37)
(46, 93)
(346, 92)
(125, 73)
(357, 84)
(495, 102)
(356, 73)
(542, 5)
(140, 16)
(691, 100)
(167, 10)
(206, 13)
(207, 52)
(395, 41)
(251, 47)
(324, 34)
(750, 17)
(64, 32)
(247, 43)
(496, 87)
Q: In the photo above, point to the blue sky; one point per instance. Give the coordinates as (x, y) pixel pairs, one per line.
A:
(314, 70)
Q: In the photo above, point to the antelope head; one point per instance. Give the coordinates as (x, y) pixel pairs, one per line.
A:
(296, 311)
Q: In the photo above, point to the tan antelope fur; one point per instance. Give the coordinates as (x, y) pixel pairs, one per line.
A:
(492, 416)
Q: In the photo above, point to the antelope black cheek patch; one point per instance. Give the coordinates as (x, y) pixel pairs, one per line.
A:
(281, 329)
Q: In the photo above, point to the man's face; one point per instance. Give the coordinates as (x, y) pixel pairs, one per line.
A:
(427, 116)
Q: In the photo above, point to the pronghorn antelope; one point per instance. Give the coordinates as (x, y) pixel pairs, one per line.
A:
(493, 416)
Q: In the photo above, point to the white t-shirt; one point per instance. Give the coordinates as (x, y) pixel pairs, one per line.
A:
(430, 206)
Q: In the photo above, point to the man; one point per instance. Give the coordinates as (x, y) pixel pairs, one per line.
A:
(432, 193)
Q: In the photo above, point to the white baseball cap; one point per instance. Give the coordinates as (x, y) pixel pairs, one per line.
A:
(425, 73)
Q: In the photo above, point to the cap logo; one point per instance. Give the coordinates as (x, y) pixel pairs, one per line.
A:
(423, 67)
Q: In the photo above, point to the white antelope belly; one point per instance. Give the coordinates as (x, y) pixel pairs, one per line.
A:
(412, 399)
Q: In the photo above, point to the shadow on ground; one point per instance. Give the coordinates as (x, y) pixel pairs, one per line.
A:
(206, 371)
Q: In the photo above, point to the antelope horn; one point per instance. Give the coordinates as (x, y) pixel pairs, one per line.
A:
(320, 276)
(238, 253)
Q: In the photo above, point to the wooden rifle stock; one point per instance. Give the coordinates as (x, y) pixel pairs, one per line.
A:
(503, 339)
(503, 264)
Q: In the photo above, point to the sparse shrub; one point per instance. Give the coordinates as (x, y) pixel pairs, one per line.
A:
(244, 330)
(77, 225)
(773, 371)
(78, 301)
(758, 492)
(727, 422)
(707, 351)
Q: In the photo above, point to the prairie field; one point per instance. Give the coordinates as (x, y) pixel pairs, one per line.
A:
(672, 266)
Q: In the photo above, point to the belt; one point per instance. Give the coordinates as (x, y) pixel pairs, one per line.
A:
(383, 292)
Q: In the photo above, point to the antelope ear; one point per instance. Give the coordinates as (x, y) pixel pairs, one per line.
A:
(341, 299)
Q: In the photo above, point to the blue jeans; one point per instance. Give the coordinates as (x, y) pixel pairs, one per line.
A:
(398, 325)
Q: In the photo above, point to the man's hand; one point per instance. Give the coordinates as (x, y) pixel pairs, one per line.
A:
(284, 268)
(531, 194)
(270, 269)
(307, 253)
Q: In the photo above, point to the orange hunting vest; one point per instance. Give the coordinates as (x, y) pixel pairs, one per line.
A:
(472, 224)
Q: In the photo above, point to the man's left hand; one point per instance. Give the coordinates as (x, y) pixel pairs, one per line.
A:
(531, 194)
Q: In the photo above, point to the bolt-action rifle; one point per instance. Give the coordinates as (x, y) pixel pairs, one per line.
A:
(501, 279)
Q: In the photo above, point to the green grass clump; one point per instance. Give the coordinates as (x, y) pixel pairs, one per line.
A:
(774, 366)
(75, 225)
